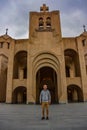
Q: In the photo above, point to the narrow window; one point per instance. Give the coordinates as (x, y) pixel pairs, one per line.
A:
(83, 42)
(41, 23)
(1, 44)
(48, 22)
(8, 45)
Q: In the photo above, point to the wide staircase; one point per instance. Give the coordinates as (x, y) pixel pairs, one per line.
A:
(28, 117)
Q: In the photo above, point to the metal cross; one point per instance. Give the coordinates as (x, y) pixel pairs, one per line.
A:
(84, 27)
(6, 31)
(44, 8)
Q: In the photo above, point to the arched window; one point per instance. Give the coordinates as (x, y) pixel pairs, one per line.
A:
(20, 65)
(41, 23)
(48, 22)
(84, 42)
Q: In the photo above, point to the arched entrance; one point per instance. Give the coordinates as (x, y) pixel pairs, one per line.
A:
(47, 75)
(74, 94)
(19, 95)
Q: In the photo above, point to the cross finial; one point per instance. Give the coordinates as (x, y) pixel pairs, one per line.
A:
(6, 31)
(84, 27)
(44, 8)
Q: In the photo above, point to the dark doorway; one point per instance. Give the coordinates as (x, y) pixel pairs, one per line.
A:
(19, 95)
(74, 94)
(47, 75)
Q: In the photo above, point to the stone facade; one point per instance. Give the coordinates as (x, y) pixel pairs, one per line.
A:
(45, 58)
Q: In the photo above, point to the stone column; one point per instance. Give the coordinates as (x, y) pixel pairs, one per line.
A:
(55, 83)
(82, 67)
(37, 87)
(0, 63)
(10, 73)
(30, 78)
(63, 96)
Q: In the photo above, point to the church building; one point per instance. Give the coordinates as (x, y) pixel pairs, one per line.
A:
(44, 58)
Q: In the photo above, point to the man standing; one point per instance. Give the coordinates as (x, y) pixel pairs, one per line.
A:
(45, 100)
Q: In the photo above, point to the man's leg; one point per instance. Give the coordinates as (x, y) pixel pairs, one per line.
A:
(43, 110)
(47, 110)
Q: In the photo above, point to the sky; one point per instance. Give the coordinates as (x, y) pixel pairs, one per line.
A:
(14, 15)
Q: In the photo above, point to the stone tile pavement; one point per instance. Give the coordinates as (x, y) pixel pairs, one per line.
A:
(28, 117)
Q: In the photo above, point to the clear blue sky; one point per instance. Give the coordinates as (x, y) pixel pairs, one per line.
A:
(14, 15)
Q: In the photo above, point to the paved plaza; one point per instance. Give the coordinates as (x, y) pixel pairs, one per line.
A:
(28, 117)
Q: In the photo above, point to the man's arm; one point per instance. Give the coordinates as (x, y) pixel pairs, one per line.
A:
(49, 97)
(40, 97)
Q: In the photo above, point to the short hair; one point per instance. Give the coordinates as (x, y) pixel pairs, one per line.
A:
(44, 84)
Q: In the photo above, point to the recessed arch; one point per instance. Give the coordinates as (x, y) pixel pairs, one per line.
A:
(49, 60)
(45, 59)
(72, 63)
(45, 55)
(19, 95)
(45, 52)
(47, 75)
(74, 93)
(20, 65)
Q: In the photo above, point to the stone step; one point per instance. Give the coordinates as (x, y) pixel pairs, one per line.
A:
(28, 117)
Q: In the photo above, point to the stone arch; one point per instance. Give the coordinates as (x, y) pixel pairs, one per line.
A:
(49, 57)
(19, 95)
(46, 59)
(74, 93)
(47, 75)
(72, 63)
(20, 65)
